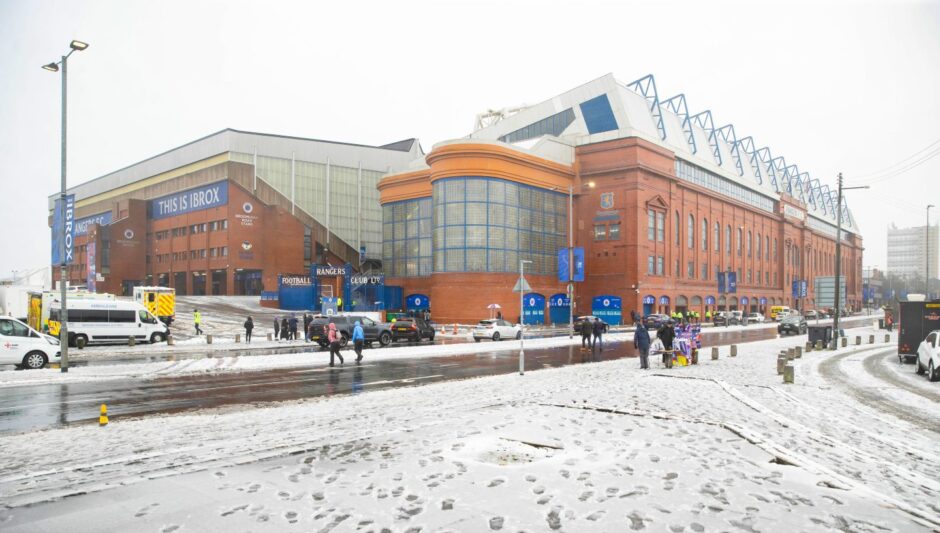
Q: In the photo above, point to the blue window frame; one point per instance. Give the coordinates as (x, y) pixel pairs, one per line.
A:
(406, 235)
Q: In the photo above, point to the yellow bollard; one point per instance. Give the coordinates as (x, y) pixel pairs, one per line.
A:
(103, 419)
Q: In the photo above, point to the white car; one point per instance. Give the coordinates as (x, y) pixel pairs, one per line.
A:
(928, 356)
(496, 329)
(25, 347)
(756, 318)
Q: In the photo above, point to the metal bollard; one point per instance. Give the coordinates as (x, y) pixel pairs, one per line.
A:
(819, 345)
(871, 339)
(270, 337)
(845, 342)
(791, 354)
(781, 363)
(170, 341)
(887, 337)
(714, 353)
(809, 346)
(799, 352)
(734, 350)
(238, 338)
(858, 340)
(788, 371)
(208, 339)
(131, 341)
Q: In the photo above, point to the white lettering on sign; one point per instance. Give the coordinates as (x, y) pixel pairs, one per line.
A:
(294, 281)
(365, 280)
(331, 271)
(790, 211)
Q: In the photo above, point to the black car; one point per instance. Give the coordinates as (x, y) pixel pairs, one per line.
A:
(372, 330)
(657, 320)
(412, 329)
(795, 325)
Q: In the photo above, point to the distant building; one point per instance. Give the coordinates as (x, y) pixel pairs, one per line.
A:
(907, 251)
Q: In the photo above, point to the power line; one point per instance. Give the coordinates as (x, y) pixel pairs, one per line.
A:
(899, 163)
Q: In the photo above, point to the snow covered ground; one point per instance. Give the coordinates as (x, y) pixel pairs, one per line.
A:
(600, 447)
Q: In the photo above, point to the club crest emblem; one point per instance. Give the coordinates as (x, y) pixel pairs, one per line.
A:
(607, 200)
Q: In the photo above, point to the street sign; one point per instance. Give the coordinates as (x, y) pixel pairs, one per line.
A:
(522, 286)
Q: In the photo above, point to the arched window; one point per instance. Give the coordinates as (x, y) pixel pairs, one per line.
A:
(767, 247)
(690, 232)
(740, 238)
(676, 225)
(728, 240)
(749, 240)
(704, 234)
(717, 237)
(758, 247)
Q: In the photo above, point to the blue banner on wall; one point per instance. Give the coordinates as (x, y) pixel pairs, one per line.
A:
(417, 302)
(102, 219)
(732, 282)
(565, 274)
(722, 283)
(91, 283)
(649, 300)
(63, 230)
(608, 308)
(709, 300)
(205, 197)
(798, 289)
(533, 308)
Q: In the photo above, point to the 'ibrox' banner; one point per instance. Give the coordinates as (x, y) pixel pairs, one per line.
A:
(205, 197)
(63, 230)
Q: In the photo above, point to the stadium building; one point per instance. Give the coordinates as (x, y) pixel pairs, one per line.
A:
(665, 202)
(230, 212)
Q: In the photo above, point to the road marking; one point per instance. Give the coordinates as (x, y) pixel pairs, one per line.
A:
(403, 380)
(96, 400)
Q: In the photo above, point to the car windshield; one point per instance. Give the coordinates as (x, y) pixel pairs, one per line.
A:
(794, 319)
(487, 322)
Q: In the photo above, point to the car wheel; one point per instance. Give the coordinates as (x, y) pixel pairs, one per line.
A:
(932, 373)
(385, 339)
(496, 337)
(919, 369)
(343, 340)
(431, 338)
(477, 339)
(81, 341)
(156, 337)
(34, 360)
(518, 334)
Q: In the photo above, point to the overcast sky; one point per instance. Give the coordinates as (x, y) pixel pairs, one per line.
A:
(849, 86)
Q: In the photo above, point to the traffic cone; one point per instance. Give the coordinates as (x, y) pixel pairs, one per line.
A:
(103, 419)
(455, 329)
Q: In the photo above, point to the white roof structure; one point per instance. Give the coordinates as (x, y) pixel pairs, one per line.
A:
(605, 109)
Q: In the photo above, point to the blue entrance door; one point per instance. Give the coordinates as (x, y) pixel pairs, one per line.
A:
(533, 308)
(559, 308)
(648, 303)
(607, 307)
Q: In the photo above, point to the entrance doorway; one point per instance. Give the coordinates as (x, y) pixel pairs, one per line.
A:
(219, 282)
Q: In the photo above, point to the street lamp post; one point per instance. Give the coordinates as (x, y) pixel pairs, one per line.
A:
(63, 272)
(522, 263)
(838, 307)
(570, 261)
(927, 250)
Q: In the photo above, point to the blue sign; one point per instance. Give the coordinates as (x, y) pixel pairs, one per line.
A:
(763, 301)
(649, 300)
(722, 283)
(205, 197)
(102, 219)
(295, 292)
(607, 308)
(533, 308)
(663, 300)
(417, 302)
(564, 272)
(328, 306)
(709, 300)
(91, 282)
(559, 300)
(63, 230)
(744, 300)
(798, 289)
(732, 282)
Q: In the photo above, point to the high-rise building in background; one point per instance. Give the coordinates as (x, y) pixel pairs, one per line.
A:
(907, 251)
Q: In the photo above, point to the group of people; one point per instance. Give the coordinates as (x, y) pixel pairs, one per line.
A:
(592, 332)
(642, 342)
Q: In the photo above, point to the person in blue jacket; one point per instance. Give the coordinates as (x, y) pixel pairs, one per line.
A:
(359, 339)
(641, 341)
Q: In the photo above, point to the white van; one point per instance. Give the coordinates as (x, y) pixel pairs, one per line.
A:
(25, 347)
(104, 321)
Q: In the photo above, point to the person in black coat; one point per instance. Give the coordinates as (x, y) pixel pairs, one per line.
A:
(293, 327)
(277, 329)
(641, 341)
(249, 325)
(667, 335)
(586, 330)
(285, 333)
(598, 328)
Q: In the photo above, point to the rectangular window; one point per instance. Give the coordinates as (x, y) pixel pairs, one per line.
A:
(614, 232)
(660, 265)
(678, 272)
(660, 227)
(600, 232)
(691, 270)
(649, 265)
(650, 224)
(704, 270)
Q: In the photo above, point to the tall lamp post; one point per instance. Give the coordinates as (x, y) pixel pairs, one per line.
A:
(522, 263)
(838, 306)
(590, 184)
(927, 249)
(63, 272)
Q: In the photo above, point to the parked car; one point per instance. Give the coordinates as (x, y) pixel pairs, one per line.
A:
(812, 314)
(373, 331)
(496, 329)
(657, 320)
(755, 318)
(737, 317)
(793, 324)
(412, 329)
(580, 320)
(25, 347)
(928, 356)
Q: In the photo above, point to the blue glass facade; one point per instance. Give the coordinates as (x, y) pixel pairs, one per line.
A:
(406, 230)
(598, 116)
(485, 224)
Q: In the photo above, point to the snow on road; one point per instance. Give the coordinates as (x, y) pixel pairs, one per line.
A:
(599, 447)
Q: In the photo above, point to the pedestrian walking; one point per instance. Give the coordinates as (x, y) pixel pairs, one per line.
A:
(333, 337)
(641, 341)
(598, 328)
(293, 327)
(307, 320)
(586, 330)
(666, 334)
(197, 320)
(633, 318)
(249, 325)
(277, 329)
(359, 339)
(285, 333)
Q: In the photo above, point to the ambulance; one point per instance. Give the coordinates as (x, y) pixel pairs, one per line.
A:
(160, 301)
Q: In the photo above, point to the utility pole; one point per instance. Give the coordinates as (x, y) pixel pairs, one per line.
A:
(927, 250)
(838, 305)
